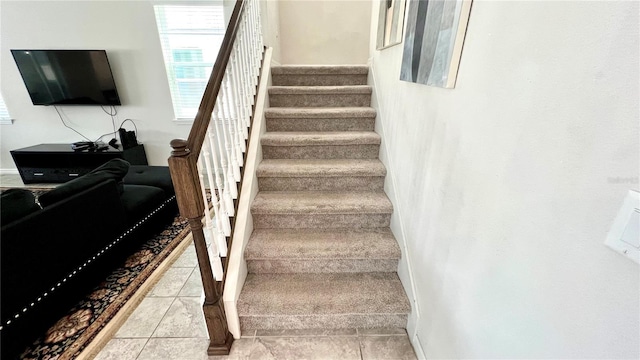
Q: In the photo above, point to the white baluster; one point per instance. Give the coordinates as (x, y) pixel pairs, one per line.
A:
(230, 105)
(214, 256)
(232, 102)
(209, 229)
(252, 51)
(231, 181)
(254, 33)
(260, 37)
(230, 186)
(222, 217)
(239, 89)
(249, 26)
(244, 80)
(233, 140)
(247, 63)
(235, 86)
(216, 263)
(222, 230)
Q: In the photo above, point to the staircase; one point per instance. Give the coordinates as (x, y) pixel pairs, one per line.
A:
(322, 255)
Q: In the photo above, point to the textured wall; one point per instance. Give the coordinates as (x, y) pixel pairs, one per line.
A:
(270, 11)
(505, 188)
(324, 31)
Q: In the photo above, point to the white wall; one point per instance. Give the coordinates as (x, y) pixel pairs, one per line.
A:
(505, 188)
(324, 31)
(128, 32)
(270, 17)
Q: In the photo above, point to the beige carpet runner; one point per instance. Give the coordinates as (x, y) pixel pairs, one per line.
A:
(322, 255)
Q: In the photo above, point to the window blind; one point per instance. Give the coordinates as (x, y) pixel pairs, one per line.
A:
(190, 37)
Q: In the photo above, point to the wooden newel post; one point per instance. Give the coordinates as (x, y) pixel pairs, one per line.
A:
(184, 173)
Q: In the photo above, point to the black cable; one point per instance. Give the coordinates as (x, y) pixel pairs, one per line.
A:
(122, 123)
(112, 112)
(103, 135)
(65, 124)
(131, 121)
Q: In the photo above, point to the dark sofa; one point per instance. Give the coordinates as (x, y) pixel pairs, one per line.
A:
(51, 256)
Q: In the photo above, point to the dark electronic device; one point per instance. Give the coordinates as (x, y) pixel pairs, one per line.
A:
(67, 77)
(114, 143)
(127, 138)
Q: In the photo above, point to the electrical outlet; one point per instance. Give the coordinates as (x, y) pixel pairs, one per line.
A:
(624, 236)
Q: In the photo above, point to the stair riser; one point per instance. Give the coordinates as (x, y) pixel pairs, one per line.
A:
(319, 100)
(347, 124)
(320, 221)
(367, 151)
(319, 80)
(322, 266)
(346, 321)
(350, 183)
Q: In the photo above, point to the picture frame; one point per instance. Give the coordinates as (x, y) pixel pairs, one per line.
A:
(390, 23)
(433, 41)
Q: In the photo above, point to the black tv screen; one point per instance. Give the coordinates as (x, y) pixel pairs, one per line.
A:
(67, 77)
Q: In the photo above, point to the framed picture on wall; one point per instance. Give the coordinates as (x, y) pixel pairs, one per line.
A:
(390, 23)
(433, 41)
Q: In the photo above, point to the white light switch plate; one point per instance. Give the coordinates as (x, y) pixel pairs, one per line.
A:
(624, 236)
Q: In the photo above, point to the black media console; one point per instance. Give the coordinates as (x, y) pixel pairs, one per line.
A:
(58, 163)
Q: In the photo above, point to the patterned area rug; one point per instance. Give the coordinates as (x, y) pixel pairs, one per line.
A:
(73, 332)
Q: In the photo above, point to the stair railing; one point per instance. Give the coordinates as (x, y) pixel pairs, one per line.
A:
(206, 168)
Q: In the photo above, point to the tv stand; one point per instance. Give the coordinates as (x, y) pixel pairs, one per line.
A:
(58, 163)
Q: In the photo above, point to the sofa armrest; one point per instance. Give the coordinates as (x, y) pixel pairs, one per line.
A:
(43, 248)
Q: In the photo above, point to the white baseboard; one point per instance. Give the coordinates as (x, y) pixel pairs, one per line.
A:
(409, 282)
(417, 347)
(9, 172)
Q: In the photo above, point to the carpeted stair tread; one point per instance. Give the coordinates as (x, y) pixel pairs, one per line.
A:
(320, 118)
(321, 202)
(320, 90)
(320, 113)
(320, 96)
(318, 79)
(320, 70)
(322, 294)
(321, 175)
(330, 138)
(307, 244)
(298, 119)
(320, 167)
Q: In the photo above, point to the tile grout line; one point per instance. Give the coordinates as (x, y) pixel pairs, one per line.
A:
(152, 291)
(143, 347)
(162, 318)
(186, 281)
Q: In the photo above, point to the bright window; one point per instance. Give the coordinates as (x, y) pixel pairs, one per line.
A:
(4, 113)
(191, 37)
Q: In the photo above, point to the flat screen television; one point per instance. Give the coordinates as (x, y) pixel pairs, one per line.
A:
(67, 77)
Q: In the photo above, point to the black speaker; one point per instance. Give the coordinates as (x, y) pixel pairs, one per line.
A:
(127, 138)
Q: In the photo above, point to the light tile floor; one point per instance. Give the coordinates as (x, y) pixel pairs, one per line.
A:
(168, 324)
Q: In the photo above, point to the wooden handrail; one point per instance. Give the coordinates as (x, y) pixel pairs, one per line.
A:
(183, 165)
(203, 116)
